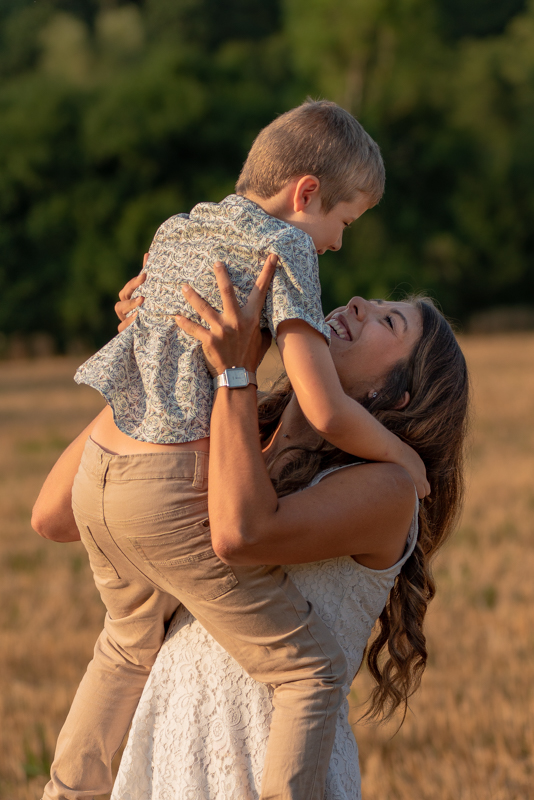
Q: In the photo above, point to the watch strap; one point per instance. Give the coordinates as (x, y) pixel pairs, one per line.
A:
(235, 378)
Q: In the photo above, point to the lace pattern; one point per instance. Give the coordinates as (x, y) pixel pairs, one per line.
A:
(201, 729)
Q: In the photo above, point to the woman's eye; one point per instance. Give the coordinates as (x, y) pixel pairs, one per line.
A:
(389, 321)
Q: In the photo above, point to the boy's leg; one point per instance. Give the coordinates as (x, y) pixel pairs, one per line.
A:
(263, 621)
(274, 633)
(159, 525)
(96, 724)
(108, 695)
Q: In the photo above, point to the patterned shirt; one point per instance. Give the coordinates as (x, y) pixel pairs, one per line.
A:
(153, 375)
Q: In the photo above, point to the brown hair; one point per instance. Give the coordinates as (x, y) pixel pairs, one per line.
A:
(317, 138)
(434, 423)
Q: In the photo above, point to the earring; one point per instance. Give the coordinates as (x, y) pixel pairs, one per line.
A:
(375, 394)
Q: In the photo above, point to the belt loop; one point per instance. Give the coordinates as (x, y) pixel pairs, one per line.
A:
(105, 458)
(200, 480)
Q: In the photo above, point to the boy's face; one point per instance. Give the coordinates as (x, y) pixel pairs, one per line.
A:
(326, 230)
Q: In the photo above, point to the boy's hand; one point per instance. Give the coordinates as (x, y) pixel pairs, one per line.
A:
(234, 337)
(125, 304)
(414, 465)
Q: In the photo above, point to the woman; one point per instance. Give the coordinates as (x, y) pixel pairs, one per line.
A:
(353, 521)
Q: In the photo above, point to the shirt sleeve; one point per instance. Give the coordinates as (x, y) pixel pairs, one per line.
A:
(295, 292)
(157, 253)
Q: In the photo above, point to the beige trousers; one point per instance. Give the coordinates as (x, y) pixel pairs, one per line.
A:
(143, 519)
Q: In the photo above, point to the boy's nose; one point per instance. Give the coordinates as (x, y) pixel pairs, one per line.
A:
(337, 245)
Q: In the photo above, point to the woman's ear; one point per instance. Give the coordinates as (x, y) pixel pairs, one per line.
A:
(402, 403)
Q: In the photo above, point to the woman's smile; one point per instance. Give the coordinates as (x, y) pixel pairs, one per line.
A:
(369, 337)
(339, 327)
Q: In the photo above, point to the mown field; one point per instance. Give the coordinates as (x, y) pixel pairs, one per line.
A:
(469, 734)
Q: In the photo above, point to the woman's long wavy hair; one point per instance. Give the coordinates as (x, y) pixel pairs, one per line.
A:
(434, 423)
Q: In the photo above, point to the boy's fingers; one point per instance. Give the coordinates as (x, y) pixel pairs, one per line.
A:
(424, 490)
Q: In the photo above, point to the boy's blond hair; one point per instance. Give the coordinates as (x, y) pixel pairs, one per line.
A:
(317, 138)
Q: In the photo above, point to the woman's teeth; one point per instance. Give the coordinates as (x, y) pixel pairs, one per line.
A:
(339, 329)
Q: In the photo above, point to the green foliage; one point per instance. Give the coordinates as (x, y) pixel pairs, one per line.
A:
(453, 123)
(38, 759)
(478, 17)
(115, 115)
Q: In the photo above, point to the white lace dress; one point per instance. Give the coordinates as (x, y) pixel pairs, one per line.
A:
(201, 728)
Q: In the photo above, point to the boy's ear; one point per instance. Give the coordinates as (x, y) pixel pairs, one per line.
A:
(307, 190)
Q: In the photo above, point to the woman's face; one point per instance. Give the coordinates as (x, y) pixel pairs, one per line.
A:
(368, 338)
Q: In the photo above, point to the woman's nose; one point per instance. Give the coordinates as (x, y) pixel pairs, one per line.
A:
(359, 306)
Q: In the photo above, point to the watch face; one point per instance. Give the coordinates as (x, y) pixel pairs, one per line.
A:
(237, 376)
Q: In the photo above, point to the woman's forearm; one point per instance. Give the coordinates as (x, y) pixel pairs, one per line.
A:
(242, 500)
(346, 514)
(52, 516)
(360, 510)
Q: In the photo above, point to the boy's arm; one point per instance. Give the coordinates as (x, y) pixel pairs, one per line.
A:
(334, 415)
(296, 319)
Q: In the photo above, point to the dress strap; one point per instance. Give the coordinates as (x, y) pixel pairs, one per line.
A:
(325, 472)
(411, 539)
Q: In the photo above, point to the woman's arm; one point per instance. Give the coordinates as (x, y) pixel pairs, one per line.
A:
(363, 511)
(52, 516)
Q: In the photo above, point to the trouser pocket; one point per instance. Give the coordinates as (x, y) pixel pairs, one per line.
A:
(100, 563)
(186, 561)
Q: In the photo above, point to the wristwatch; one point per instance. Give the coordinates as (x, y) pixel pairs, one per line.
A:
(235, 378)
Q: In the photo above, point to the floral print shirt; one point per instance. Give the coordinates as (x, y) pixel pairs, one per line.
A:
(153, 375)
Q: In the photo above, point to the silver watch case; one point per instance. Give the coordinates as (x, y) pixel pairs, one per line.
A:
(235, 378)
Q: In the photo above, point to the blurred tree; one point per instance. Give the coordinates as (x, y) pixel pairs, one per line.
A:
(451, 120)
(385, 62)
(210, 23)
(478, 17)
(110, 128)
(115, 114)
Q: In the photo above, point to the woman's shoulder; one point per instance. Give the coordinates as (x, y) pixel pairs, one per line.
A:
(388, 482)
(384, 499)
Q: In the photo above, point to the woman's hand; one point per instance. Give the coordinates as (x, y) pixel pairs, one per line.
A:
(126, 304)
(234, 337)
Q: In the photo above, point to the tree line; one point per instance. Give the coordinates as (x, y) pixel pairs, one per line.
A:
(115, 115)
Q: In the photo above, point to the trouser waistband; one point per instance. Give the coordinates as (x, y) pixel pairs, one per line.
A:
(187, 465)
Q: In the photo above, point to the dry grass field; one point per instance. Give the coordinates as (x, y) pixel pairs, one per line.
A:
(469, 734)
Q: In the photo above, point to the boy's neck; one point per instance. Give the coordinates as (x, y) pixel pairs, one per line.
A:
(278, 206)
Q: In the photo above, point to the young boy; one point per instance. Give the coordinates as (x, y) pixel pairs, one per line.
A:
(140, 497)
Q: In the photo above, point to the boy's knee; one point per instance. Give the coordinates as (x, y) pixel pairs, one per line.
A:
(116, 650)
(334, 667)
(341, 668)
